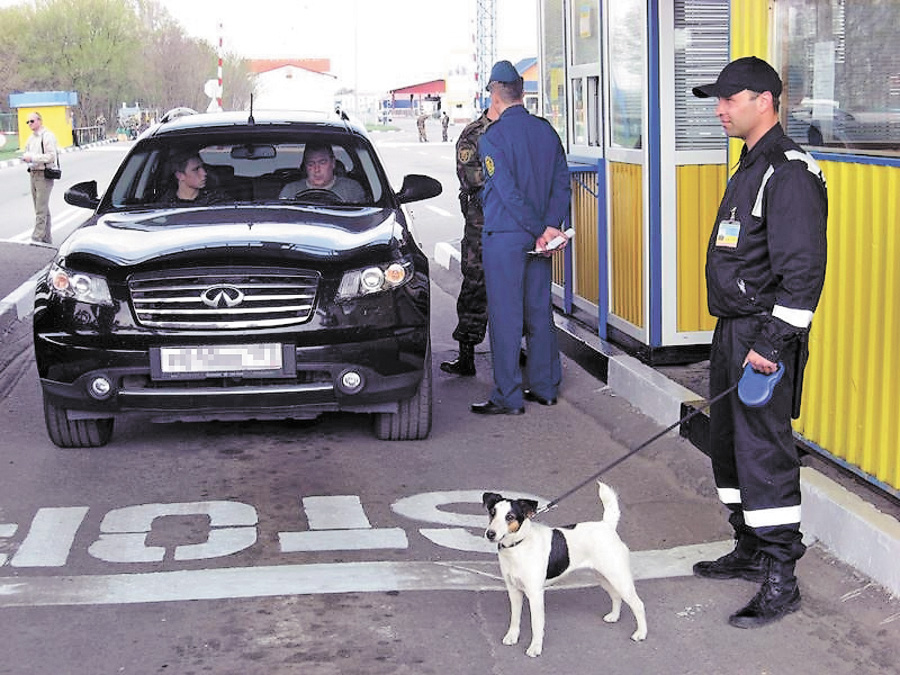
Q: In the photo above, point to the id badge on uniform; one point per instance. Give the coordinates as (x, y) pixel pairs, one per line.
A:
(729, 232)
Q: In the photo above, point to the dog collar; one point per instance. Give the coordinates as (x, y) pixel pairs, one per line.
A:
(501, 546)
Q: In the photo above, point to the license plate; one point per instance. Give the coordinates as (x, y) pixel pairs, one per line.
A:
(220, 360)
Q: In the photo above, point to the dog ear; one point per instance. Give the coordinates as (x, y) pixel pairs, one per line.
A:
(490, 499)
(530, 506)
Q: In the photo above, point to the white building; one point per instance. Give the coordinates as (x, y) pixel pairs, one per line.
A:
(297, 84)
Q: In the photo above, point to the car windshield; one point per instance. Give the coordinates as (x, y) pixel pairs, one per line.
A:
(273, 168)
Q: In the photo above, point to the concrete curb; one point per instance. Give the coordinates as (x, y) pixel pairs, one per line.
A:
(852, 529)
(446, 255)
(19, 304)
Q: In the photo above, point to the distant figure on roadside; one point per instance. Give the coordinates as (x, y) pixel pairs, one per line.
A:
(320, 164)
(41, 153)
(191, 174)
(420, 123)
(445, 122)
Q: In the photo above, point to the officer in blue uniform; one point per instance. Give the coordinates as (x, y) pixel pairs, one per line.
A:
(526, 198)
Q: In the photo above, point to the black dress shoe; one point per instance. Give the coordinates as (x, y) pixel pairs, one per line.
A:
(529, 395)
(491, 408)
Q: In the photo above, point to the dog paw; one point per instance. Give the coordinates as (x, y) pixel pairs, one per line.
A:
(534, 650)
(612, 617)
(510, 638)
(639, 635)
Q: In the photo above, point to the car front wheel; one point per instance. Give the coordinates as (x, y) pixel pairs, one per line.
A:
(66, 433)
(412, 421)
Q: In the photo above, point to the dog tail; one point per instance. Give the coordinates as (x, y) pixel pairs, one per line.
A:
(611, 512)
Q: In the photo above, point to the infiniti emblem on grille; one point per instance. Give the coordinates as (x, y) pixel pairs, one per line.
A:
(219, 297)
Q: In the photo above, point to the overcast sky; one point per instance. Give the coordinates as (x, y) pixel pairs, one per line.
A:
(373, 44)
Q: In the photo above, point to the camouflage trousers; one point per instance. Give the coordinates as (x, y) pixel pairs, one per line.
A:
(471, 305)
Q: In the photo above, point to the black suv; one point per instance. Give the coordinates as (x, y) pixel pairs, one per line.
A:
(264, 298)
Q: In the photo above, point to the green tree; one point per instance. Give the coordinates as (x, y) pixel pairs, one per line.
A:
(110, 52)
(87, 46)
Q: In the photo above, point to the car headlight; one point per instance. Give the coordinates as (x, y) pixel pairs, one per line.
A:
(374, 279)
(82, 287)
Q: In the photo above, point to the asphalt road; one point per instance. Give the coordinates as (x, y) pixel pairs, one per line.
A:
(313, 548)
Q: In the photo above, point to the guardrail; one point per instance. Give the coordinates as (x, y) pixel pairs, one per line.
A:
(85, 135)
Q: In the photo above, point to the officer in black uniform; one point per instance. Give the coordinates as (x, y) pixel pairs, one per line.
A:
(471, 305)
(765, 270)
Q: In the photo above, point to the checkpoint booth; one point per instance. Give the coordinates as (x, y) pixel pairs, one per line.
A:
(649, 163)
(57, 109)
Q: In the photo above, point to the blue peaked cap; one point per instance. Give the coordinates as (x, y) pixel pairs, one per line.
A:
(503, 71)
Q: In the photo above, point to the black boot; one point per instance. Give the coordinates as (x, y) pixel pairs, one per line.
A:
(777, 597)
(744, 562)
(465, 364)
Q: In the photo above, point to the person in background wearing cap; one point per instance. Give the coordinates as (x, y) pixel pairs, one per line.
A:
(471, 304)
(420, 125)
(526, 198)
(40, 153)
(765, 269)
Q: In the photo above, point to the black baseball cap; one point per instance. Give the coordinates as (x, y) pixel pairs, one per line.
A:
(748, 72)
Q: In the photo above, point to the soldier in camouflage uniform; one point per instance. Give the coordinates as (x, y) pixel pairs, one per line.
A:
(471, 305)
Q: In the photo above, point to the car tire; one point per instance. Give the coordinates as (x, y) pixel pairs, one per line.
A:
(66, 433)
(412, 421)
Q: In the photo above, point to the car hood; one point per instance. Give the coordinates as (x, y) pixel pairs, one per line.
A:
(130, 238)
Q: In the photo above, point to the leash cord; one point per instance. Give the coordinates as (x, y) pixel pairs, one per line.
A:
(553, 504)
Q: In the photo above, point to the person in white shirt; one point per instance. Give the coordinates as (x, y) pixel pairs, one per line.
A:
(41, 153)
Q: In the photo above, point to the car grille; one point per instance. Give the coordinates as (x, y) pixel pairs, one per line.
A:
(223, 299)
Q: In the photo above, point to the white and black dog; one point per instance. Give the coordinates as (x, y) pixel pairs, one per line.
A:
(531, 555)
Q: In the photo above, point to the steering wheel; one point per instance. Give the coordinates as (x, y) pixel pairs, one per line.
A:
(319, 196)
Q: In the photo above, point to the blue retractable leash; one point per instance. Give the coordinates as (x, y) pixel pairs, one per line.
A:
(754, 389)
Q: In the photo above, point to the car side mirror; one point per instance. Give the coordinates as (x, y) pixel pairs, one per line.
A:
(83, 195)
(416, 188)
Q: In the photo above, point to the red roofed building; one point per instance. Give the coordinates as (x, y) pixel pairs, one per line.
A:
(264, 65)
(418, 98)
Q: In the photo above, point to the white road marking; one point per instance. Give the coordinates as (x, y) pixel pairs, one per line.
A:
(50, 538)
(7, 530)
(60, 226)
(313, 579)
(123, 532)
(438, 210)
(458, 538)
(338, 512)
(343, 540)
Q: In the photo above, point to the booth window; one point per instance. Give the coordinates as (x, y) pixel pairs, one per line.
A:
(554, 65)
(701, 51)
(841, 70)
(584, 74)
(627, 36)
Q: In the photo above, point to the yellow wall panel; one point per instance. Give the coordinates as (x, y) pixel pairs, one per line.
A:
(749, 28)
(584, 201)
(750, 20)
(699, 190)
(851, 398)
(626, 240)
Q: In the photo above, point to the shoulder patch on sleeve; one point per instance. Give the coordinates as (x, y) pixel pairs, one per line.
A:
(489, 165)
